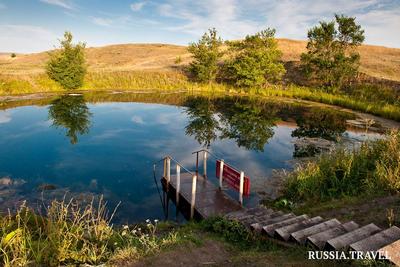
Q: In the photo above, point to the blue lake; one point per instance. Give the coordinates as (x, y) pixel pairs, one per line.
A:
(108, 148)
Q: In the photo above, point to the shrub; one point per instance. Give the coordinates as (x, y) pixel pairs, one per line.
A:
(331, 57)
(374, 168)
(254, 61)
(13, 55)
(67, 64)
(206, 53)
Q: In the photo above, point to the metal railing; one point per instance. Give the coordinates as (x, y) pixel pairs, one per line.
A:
(221, 170)
(167, 176)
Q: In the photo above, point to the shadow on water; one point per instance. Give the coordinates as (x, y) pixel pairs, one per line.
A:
(71, 113)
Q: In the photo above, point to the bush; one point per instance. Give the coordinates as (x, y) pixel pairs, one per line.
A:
(67, 65)
(374, 168)
(255, 60)
(331, 56)
(206, 53)
(13, 55)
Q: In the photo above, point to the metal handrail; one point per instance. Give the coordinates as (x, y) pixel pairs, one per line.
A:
(215, 156)
(177, 162)
(208, 152)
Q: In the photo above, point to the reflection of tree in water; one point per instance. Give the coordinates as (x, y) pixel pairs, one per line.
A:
(203, 125)
(248, 124)
(244, 121)
(322, 123)
(71, 113)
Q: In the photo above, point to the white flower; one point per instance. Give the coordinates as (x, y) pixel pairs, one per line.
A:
(125, 227)
(147, 220)
(156, 221)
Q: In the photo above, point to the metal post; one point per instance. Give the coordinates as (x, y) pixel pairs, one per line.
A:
(241, 188)
(165, 168)
(197, 163)
(168, 169)
(221, 171)
(178, 183)
(205, 164)
(193, 200)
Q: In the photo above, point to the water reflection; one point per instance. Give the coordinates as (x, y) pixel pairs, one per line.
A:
(250, 125)
(71, 112)
(322, 123)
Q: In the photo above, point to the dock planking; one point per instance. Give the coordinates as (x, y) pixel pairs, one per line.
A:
(209, 199)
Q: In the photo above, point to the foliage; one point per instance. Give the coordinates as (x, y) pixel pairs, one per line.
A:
(71, 234)
(331, 56)
(67, 64)
(178, 60)
(321, 123)
(71, 113)
(206, 53)
(13, 55)
(374, 168)
(254, 60)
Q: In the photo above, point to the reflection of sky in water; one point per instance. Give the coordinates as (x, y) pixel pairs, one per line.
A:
(116, 156)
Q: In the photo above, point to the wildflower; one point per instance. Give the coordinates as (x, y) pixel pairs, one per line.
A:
(123, 233)
(125, 227)
(156, 221)
(147, 220)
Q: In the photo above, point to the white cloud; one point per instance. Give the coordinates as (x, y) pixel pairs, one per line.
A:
(61, 3)
(102, 21)
(14, 38)
(137, 6)
(137, 119)
(291, 18)
(4, 117)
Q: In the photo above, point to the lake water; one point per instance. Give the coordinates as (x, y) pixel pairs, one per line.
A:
(107, 145)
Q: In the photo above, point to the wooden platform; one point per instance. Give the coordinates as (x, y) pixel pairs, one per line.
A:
(209, 201)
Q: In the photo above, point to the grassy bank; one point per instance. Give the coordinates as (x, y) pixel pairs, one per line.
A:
(371, 170)
(386, 105)
(70, 234)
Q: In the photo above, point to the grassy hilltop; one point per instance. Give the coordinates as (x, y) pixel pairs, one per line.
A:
(376, 61)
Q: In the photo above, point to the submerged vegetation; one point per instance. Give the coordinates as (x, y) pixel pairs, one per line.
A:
(373, 169)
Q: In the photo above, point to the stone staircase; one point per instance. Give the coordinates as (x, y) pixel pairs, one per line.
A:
(320, 234)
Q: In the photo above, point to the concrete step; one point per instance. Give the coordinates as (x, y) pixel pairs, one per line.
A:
(249, 221)
(392, 252)
(301, 235)
(270, 228)
(344, 241)
(377, 241)
(285, 231)
(257, 227)
(318, 240)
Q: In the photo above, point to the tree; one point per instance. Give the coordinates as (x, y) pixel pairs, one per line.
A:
(67, 65)
(206, 53)
(331, 57)
(13, 55)
(255, 60)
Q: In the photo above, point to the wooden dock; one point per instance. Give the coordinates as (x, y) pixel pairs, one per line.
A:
(208, 200)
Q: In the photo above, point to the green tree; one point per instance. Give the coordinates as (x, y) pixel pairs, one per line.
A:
(254, 60)
(67, 65)
(70, 112)
(206, 54)
(331, 57)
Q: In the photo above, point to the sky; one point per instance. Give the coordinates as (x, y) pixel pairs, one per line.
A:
(36, 25)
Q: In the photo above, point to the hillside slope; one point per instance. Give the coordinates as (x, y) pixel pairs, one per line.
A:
(376, 61)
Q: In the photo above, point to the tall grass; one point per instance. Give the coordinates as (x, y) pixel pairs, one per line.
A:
(372, 169)
(361, 99)
(72, 234)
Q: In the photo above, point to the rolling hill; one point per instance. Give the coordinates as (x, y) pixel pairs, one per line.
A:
(376, 61)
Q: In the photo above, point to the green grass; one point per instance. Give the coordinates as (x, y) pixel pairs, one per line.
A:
(374, 169)
(383, 102)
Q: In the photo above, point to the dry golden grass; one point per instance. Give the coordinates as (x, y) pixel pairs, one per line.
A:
(376, 61)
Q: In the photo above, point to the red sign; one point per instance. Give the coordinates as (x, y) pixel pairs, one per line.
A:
(232, 178)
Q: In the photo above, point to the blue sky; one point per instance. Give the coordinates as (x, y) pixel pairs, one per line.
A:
(35, 25)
